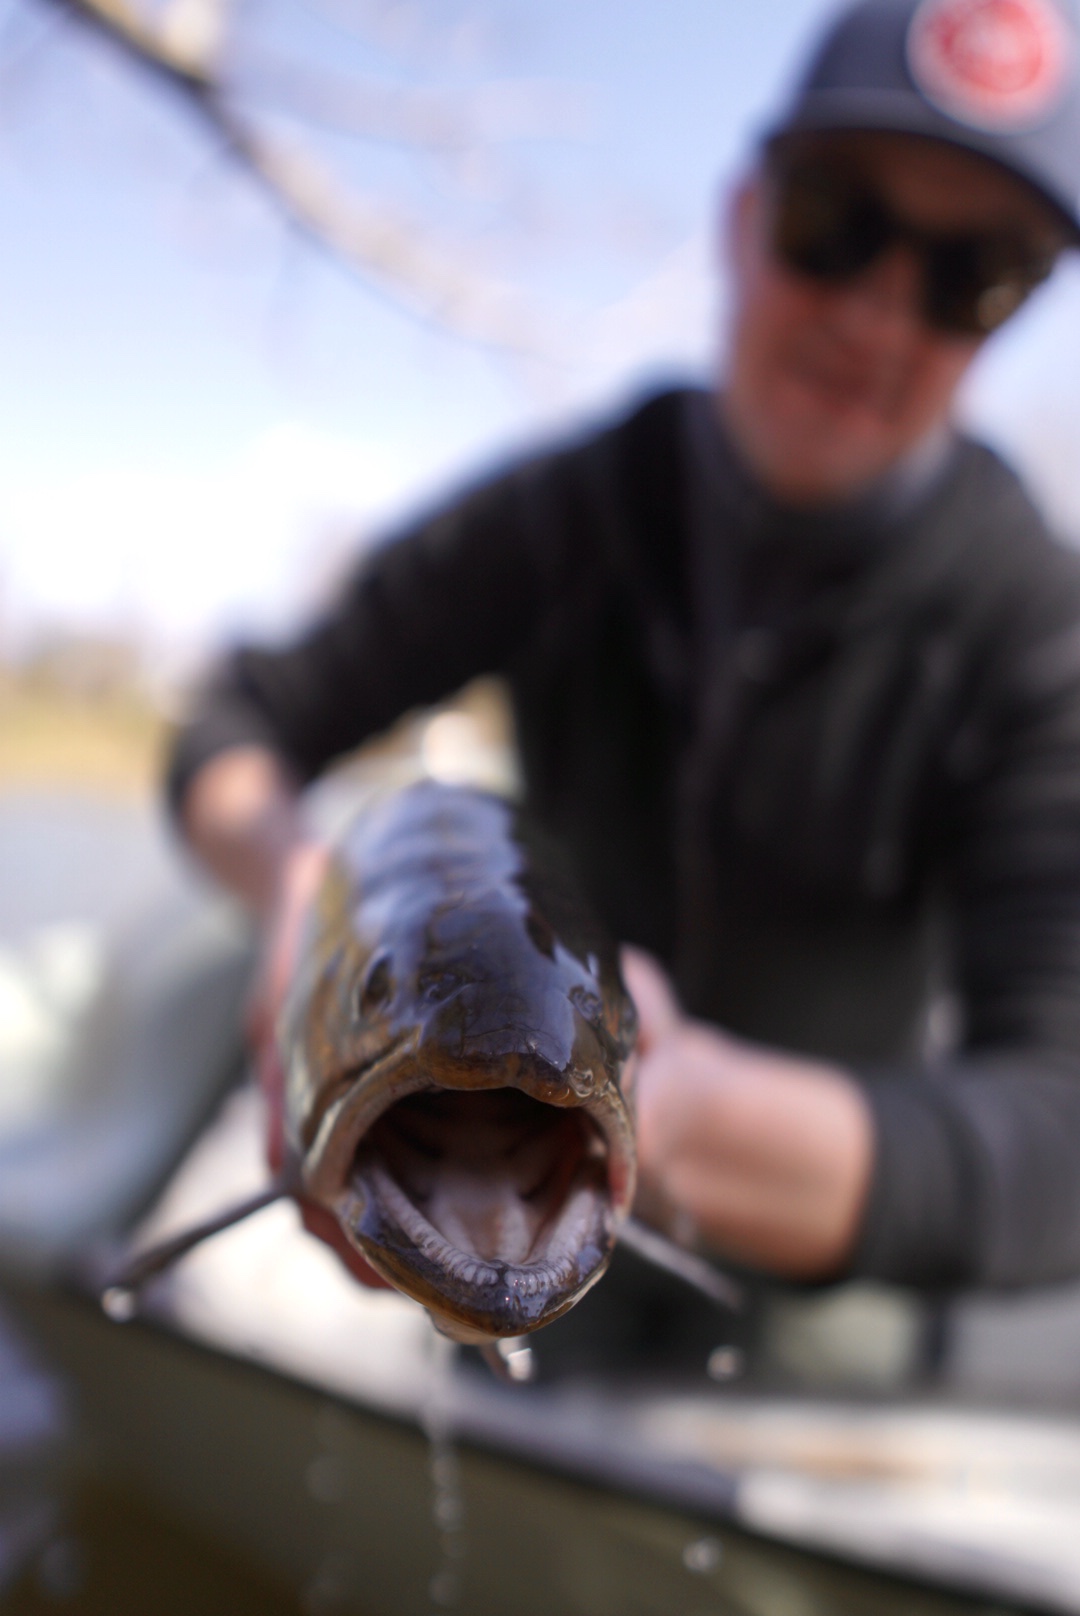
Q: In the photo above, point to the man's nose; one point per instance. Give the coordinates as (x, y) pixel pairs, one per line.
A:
(886, 299)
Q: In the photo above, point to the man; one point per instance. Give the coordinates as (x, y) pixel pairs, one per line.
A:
(796, 674)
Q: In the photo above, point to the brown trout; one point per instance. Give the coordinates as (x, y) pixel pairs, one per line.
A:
(453, 1047)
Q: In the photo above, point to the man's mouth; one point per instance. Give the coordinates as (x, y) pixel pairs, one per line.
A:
(845, 386)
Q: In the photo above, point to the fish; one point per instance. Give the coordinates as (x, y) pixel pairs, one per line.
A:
(454, 1049)
(457, 1044)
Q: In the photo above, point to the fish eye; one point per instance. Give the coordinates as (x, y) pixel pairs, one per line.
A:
(377, 986)
(438, 984)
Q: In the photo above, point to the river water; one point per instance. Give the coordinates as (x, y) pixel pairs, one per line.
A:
(71, 857)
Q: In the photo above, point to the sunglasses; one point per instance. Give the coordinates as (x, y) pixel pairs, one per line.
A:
(829, 224)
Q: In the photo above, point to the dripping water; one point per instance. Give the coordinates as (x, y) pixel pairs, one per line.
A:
(447, 1495)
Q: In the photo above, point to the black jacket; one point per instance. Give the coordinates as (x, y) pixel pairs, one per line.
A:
(827, 768)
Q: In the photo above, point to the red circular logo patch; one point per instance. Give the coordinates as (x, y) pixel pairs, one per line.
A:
(995, 64)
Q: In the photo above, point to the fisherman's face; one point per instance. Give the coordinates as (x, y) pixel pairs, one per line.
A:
(830, 381)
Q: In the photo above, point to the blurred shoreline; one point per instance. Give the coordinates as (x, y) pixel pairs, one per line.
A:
(78, 714)
(91, 716)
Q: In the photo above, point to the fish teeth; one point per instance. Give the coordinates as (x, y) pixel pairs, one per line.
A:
(581, 1221)
(464, 1267)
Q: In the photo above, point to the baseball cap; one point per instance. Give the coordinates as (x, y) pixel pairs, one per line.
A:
(1000, 78)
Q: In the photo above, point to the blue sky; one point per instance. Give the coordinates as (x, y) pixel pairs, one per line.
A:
(197, 410)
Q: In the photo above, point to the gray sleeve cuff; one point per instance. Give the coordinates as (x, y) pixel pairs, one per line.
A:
(920, 1225)
(977, 1173)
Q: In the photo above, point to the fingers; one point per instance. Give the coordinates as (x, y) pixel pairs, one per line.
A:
(300, 877)
(324, 1225)
(659, 1013)
(270, 1076)
(299, 880)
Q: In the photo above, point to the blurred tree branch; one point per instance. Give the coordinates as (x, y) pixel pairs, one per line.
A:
(181, 47)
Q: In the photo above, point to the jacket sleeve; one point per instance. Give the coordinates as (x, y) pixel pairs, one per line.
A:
(449, 599)
(977, 1178)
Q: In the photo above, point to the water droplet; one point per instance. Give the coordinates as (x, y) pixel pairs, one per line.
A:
(444, 1470)
(702, 1556)
(725, 1363)
(518, 1357)
(61, 1570)
(444, 1587)
(449, 1513)
(588, 1004)
(119, 1303)
(326, 1479)
(329, 1588)
(448, 1501)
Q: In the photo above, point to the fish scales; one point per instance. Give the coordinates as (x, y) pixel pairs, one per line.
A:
(454, 1046)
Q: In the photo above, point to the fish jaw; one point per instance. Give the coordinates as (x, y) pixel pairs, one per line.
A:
(471, 1299)
(496, 1205)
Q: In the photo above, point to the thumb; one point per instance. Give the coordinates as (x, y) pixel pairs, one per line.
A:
(299, 880)
(654, 998)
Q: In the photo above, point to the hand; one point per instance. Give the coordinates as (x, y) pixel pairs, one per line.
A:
(298, 879)
(769, 1155)
(242, 818)
(300, 875)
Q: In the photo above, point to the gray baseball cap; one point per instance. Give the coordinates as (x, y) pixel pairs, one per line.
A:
(997, 77)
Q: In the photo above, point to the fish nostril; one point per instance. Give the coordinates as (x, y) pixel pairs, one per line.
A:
(586, 1003)
(376, 987)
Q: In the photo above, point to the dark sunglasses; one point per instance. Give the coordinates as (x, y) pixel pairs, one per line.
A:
(829, 224)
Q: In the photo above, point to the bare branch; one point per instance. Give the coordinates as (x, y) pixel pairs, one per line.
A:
(394, 251)
(498, 112)
(181, 49)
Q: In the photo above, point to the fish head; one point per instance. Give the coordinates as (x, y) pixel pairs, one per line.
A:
(468, 1129)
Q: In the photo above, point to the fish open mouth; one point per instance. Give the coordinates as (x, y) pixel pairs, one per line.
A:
(505, 1198)
(493, 1208)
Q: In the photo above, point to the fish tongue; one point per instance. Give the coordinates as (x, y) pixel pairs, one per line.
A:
(482, 1212)
(503, 1178)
